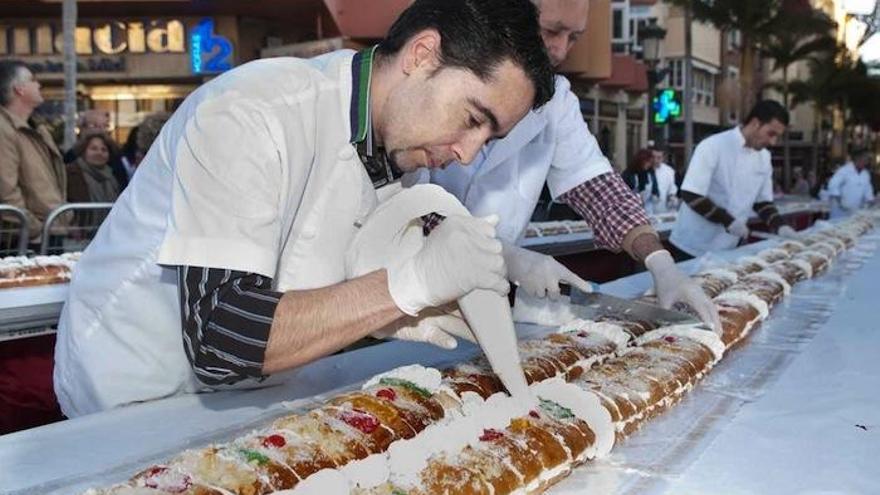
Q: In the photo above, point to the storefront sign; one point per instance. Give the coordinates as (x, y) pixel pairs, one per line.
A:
(208, 51)
(103, 38)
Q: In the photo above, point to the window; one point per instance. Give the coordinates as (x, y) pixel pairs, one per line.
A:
(734, 39)
(617, 28)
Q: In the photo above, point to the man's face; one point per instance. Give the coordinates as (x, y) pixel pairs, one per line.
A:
(438, 116)
(27, 88)
(562, 22)
(95, 120)
(657, 158)
(765, 135)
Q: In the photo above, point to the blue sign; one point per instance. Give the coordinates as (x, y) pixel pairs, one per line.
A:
(202, 46)
(666, 106)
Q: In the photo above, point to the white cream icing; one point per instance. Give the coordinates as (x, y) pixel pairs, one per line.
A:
(610, 331)
(740, 295)
(426, 378)
(771, 252)
(721, 273)
(586, 406)
(753, 259)
(693, 332)
(774, 277)
(803, 265)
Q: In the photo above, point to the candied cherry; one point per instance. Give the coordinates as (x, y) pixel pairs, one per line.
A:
(669, 338)
(534, 414)
(360, 420)
(276, 441)
(387, 393)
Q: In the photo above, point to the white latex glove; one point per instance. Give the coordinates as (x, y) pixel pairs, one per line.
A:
(739, 228)
(672, 286)
(787, 232)
(437, 326)
(460, 255)
(537, 274)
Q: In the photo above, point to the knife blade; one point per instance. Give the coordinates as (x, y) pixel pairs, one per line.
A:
(593, 305)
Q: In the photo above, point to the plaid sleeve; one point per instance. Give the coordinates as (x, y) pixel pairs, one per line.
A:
(609, 206)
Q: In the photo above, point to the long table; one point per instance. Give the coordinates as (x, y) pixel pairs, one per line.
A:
(793, 399)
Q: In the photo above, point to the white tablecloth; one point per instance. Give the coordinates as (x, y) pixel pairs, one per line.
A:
(719, 437)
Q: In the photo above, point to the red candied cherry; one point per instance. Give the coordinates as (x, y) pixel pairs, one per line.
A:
(669, 338)
(387, 393)
(360, 420)
(534, 414)
(153, 471)
(583, 334)
(490, 434)
(170, 484)
(275, 440)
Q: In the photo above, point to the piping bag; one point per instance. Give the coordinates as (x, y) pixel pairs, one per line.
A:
(394, 231)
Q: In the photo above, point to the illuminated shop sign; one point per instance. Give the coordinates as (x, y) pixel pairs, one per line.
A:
(208, 51)
(667, 106)
(103, 38)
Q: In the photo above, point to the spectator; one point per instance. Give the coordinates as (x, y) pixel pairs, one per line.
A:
(130, 155)
(90, 179)
(32, 175)
(91, 121)
(801, 186)
(149, 130)
(640, 177)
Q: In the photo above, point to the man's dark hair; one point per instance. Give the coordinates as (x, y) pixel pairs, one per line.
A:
(478, 35)
(9, 70)
(766, 111)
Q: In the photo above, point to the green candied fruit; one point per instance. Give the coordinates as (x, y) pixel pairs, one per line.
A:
(254, 456)
(399, 382)
(554, 409)
(397, 491)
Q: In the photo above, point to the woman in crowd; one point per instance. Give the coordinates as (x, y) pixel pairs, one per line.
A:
(90, 178)
(639, 176)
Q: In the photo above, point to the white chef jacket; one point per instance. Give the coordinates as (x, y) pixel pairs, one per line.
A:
(732, 175)
(552, 144)
(254, 172)
(666, 186)
(854, 189)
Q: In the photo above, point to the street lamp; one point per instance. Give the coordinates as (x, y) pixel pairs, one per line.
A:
(650, 36)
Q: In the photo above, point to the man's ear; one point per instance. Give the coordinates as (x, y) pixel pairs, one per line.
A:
(422, 52)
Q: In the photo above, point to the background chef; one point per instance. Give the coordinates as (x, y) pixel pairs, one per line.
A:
(730, 177)
(850, 187)
(554, 145)
(222, 262)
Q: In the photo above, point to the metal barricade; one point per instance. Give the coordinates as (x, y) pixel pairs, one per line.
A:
(72, 226)
(13, 231)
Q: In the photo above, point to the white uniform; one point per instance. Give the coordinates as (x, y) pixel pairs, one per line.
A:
(552, 144)
(734, 177)
(854, 189)
(666, 186)
(254, 172)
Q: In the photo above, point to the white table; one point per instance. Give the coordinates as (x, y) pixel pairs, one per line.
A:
(68, 457)
(29, 311)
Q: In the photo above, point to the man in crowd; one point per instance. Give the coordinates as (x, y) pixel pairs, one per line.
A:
(32, 175)
(730, 177)
(850, 188)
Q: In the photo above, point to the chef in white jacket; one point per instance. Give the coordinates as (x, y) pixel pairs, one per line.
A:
(223, 261)
(850, 187)
(666, 186)
(554, 145)
(730, 178)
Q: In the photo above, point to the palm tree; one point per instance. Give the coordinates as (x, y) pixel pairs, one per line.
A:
(794, 37)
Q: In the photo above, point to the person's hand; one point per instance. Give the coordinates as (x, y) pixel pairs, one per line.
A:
(537, 274)
(460, 255)
(672, 286)
(437, 326)
(739, 228)
(787, 232)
